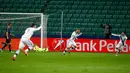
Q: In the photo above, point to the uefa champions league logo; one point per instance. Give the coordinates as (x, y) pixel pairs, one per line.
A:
(58, 44)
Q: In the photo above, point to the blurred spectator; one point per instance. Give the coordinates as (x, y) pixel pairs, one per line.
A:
(107, 30)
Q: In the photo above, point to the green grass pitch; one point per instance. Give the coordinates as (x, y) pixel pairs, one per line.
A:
(55, 62)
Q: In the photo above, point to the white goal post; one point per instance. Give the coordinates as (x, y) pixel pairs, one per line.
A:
(7, 16)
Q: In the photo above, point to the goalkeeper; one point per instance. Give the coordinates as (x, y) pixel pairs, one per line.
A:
(25, 40)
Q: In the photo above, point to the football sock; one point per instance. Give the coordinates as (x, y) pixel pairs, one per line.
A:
(10, 47)
(27, 50)
(16, 53)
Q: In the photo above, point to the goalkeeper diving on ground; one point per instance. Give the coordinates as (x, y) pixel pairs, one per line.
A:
(70, 42)
(25, 40)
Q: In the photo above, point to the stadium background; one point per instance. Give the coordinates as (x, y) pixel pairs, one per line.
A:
(86, 15)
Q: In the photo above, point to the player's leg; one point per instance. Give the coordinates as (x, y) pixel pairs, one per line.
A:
(118, 49)
(30, 45)
(70, 46)
(73, 46)
(5, 44)
(67, 49)
(69, 43)
(21, 46)
(9, 44)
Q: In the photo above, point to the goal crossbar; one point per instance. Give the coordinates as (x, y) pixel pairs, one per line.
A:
(21, 13)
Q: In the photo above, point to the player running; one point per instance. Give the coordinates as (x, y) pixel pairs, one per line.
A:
(25, 40)
(121, 43)
(8, 38)
(70, 42)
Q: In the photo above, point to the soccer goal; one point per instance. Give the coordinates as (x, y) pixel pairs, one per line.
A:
(21, 21)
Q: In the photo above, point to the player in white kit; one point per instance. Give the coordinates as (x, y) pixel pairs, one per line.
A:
(25, 40)
(70, 42)
(121, 43)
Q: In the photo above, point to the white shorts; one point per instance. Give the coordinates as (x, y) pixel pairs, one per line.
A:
(70, 43)
(120, 46)
(24, 42)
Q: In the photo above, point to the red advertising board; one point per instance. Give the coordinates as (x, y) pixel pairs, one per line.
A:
(90, 45)
(84, 44)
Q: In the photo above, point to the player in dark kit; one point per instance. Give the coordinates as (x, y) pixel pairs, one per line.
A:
(7, 37)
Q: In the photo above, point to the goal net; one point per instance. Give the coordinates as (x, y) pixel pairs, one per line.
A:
(21, 21)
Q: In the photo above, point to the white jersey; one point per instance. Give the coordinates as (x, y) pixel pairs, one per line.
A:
(74, 35)
(122, 38)
(29, 32)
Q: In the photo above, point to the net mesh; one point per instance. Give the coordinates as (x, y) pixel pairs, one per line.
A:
(20, 22)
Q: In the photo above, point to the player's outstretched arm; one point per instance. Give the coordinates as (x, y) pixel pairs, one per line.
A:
(115, 34)
(36, 29)
(80, 34)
